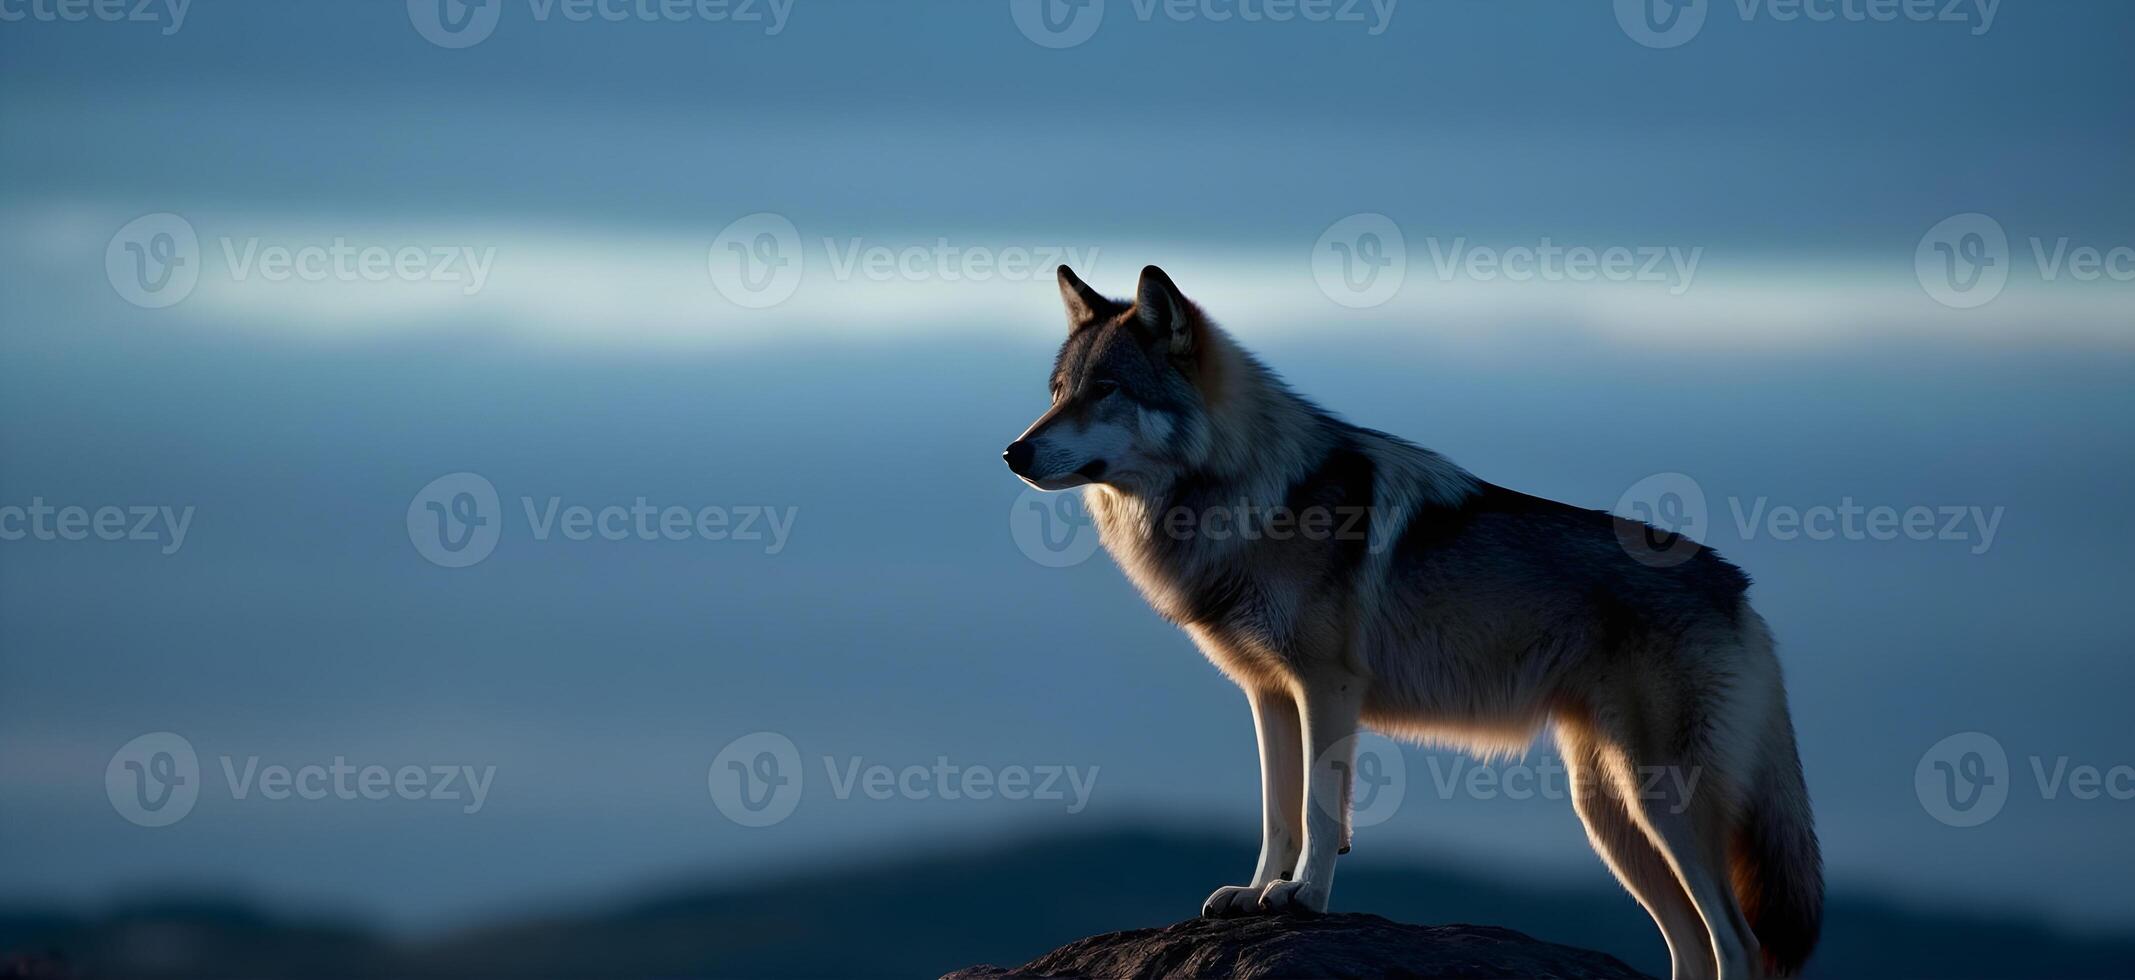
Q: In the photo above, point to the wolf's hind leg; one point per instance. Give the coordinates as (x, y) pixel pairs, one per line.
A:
(1622, 844)
(1689, 828)
(1277, 722)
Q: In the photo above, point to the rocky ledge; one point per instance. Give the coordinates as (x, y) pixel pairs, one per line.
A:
(1333, 946)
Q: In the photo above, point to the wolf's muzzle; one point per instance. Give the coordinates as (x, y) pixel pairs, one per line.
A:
(1019, 456)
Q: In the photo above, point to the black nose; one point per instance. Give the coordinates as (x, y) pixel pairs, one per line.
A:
(1019, 455)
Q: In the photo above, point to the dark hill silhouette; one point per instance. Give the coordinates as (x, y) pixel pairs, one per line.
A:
(932, 914)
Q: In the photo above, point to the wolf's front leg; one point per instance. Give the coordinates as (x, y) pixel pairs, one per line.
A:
(1277, 722)
(1332, 702)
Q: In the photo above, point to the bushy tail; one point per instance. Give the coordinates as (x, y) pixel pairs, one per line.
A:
(1778, 869)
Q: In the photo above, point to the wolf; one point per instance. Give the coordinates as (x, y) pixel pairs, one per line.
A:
(1343, 577)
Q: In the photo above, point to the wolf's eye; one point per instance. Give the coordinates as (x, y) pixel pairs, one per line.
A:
(1099, 389)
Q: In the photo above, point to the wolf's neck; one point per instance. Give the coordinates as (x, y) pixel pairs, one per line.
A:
(1261, 437)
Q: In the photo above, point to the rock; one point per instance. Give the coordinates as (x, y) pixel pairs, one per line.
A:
(1333, 946)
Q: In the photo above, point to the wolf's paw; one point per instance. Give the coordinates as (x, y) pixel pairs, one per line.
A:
(1293, 896)
(1232, 900)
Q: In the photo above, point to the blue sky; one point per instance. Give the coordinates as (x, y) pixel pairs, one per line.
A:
(597, 165)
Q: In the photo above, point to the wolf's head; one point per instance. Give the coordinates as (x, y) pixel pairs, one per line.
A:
(1129, 390)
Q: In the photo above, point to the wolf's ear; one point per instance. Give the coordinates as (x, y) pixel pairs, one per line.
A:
(1165, 314)
(1084, 305)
